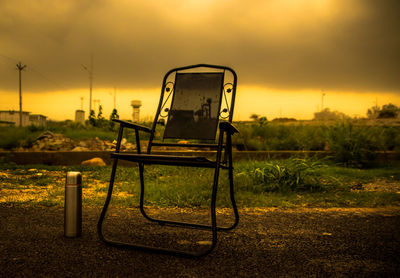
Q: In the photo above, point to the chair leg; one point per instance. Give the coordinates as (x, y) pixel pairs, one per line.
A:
(150, 248)
(186, 224)
(232, 192)
(108, 199)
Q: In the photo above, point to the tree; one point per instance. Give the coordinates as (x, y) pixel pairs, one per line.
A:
(388, 111)
(100, 113)
(100, 121)
(327, 114)
(92, 118)
(373, 112)
(114, 115)
(262, 120)
(254, 117)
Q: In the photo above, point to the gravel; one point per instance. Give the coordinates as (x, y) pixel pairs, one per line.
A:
(267, 243)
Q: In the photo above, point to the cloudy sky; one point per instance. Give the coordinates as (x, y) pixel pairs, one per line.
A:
(286, 52)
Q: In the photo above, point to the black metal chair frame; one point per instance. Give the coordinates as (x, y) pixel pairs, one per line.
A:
(223, 160)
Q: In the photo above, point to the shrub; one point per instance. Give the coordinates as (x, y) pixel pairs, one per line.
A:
(14, 137)
(354, 145)
(290, 175)
(278, 136)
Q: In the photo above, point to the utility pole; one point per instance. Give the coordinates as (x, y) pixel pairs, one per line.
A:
(322, 100)
(115, 96)
(20, 67)
(90, 71)
(98, 104)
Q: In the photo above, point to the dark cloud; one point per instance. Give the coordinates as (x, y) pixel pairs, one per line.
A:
(337, 45)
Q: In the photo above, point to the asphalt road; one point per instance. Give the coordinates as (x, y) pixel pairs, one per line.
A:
(267, 243)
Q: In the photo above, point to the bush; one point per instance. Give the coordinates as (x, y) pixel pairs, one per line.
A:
(14, 137)
(388, 111)
(290, 175)
(328, 115)
(278, 136)
(354, 145)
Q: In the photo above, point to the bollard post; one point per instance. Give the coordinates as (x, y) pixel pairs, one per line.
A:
(73, 205)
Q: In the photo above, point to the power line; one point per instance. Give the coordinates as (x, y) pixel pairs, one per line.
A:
(90, 71)
(9, 58)
(35, 71)
(31, 69)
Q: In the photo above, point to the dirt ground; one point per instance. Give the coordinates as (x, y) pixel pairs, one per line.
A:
(267, 243)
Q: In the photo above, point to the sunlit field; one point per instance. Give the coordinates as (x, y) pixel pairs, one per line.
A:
(352, 143)
(286, 183)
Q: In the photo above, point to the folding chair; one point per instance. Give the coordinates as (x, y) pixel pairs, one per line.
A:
(197, 101)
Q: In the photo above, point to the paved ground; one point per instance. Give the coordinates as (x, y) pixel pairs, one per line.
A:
(267, 243)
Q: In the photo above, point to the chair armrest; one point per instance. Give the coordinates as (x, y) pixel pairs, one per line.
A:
(228, 127)
(132, 125)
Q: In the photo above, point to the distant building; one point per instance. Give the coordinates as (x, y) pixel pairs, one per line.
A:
(80, 116)
(37, 119)
(136, 110)
(6, 123)
(12, 116)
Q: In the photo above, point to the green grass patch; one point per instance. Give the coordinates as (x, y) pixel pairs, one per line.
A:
(352, 143)
(284, 183)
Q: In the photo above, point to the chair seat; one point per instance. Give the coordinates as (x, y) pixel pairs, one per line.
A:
(192, 161)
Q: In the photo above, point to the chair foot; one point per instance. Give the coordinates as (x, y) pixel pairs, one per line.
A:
(163, 222)
(174, 252)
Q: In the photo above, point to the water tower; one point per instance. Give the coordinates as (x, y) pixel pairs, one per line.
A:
(80, 116)
(136, 110)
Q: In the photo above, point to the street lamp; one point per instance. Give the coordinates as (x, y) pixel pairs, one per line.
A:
(90, 71)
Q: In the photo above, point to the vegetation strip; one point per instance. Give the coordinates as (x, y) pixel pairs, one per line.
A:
(351, 142)
(281, 183)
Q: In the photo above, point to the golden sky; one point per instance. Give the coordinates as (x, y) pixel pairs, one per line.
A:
(285, 52)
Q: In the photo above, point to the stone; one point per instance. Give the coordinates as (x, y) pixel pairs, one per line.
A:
(82, 144)
(46, 134)
(96, 161)
(129, 146)
(79, 149)
(57, 142)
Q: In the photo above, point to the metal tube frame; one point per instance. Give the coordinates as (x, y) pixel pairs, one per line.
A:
(218, 165)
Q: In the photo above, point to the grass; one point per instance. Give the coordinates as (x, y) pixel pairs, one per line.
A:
(353, 143)
(305, 184)
(350, 142)
(14, 137)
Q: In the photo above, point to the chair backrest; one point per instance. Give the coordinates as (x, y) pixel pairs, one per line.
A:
(194, 99)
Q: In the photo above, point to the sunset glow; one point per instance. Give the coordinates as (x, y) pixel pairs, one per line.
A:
(286, 53)
(61, 105)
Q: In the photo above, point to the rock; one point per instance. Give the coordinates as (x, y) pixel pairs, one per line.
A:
(123, 141)
(57, 142)
(79, 149)
(96, 161)
(82, 144)
(109, 146)
(130, 146)
(46, 134)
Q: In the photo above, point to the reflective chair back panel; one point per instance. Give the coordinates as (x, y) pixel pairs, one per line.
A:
(195, 106)
(194, 99)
